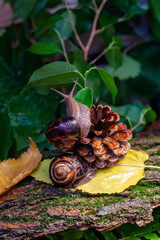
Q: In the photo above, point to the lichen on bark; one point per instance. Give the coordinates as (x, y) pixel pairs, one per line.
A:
(32, 209)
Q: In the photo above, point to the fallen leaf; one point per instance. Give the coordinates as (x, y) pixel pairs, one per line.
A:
(42, 172)
(119, 177)
(14, 170)
(108, 180)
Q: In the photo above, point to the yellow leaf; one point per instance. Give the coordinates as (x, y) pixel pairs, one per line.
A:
(42, 172)
(14, 170)
(109, 180)
(117, 178)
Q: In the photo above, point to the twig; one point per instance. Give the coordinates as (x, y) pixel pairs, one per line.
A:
(123, 18)
(129, 48)
(63, 45)
(99, 56)
(100, 30)
(95, 4)
(102, 53)
(93, 30)
(137, 125)
(73, 26)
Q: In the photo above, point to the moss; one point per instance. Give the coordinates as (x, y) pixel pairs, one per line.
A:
(11, 219)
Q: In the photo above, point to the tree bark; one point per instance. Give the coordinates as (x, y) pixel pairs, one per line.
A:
(32, 209)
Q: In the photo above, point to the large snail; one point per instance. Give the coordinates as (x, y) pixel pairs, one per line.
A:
(92, 137)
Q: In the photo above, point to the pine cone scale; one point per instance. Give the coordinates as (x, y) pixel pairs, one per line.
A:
(110, 142)
(107, 141)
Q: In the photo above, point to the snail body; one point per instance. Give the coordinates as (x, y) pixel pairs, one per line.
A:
(65, 132)
(80, 112)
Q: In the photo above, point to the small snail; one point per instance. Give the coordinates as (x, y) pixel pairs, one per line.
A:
(93, 136)
(68, 169)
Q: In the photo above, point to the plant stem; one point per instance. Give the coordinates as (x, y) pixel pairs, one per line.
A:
(94, 4)
(137, 125)
(86, 48)
(102, 53)
(98, 31)
(73, 26)
(129, 48)
(63, 45)
(93, 30)
(99, 56)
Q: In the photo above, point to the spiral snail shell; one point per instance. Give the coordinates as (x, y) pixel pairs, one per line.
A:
(66, 168)
(63, 133)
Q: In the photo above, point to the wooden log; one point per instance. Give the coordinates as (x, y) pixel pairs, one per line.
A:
(32, 209)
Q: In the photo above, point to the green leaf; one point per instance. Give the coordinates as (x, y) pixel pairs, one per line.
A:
(2, 32)
(155, 25)
(114, 56)
(148, 82)
(132, 113)
(5, 128)
(73, 234)
(42, 172)
(89, 235)
(109, 235)
(118, 41)
(64, 26)
(84, 96)
(155, 4)
(139, 7)
(13, 146)
(94, 82)
(107, 79)
(52, 75)
(40, 5)
(151, 236)
(106, 19)
(44, 48)
(130, 68)
(23, 142)
(24, 7)
(48, 23)
(149, 114)
(30, 112)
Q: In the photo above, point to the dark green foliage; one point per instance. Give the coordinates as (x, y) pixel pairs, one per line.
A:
(5, 132)
(42, 52)
(84, 96)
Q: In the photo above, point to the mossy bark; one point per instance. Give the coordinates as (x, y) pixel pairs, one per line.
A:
(32, 209)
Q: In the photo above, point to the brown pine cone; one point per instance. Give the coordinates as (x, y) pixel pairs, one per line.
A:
(107, 141)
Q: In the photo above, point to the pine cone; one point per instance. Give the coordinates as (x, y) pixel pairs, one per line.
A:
(107, 141)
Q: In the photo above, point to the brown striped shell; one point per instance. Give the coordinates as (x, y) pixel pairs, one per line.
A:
(63, 133)
(66, 168)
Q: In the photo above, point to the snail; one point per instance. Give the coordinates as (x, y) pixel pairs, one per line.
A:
(65, 132)
(92, 136)
(69, 170)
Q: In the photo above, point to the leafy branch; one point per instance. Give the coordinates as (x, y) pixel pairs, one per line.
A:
(86, 48)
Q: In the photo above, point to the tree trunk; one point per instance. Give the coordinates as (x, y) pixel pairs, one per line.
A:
(32, 209)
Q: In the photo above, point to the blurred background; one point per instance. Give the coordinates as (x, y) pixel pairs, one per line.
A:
(126, 44)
